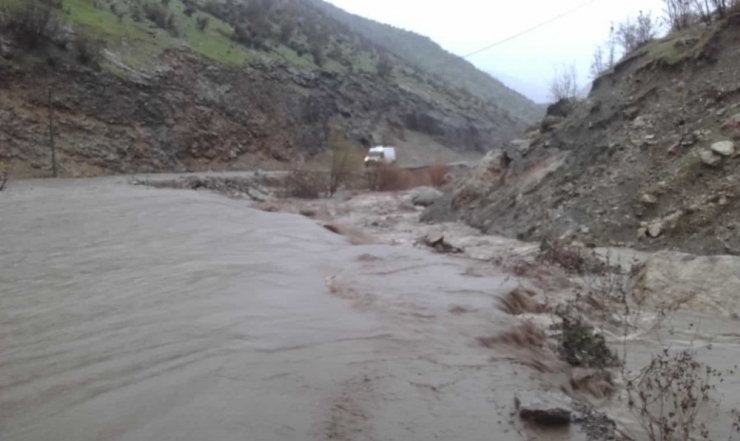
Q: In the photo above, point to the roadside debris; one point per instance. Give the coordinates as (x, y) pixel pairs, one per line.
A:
(438, 243)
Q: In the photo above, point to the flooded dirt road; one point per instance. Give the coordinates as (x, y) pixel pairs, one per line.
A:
(131, 313)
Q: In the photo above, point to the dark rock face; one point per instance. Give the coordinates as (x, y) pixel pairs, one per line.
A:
(194, 115)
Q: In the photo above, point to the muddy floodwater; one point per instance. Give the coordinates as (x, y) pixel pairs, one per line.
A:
(132, 313)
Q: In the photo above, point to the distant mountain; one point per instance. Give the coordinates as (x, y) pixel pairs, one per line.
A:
(429, 57)
(535, 92)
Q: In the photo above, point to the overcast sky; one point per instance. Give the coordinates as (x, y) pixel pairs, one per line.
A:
(525, 63)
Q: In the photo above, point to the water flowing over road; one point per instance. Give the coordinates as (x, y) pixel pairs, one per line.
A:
(130, 313)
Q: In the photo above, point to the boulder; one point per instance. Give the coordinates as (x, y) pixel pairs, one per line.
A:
(425, 196)
(544, 408)
(724, 148)
(707, 283)
(709, 158)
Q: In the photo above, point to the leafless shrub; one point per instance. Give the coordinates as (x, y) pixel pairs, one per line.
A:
(669, 394)
(304, 184)
(679, 13)
(631, 35)
(30, 21)
(3, 180)
(573, 259)
(564, 84)
(605, 56)
(345, 160)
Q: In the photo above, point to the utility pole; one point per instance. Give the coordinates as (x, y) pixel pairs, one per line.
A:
(51, 137)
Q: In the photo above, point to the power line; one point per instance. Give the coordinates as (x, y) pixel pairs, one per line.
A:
(526, 31)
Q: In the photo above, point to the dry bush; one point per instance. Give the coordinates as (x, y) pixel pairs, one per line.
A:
(631, 35)
(344, 161)
(304, 184)
(564, 83)
(3, 180)
(31, 21)
(437, 175)
(573, 259)
(669, 394)
(387, 177)
(678, 13)
(605, 56)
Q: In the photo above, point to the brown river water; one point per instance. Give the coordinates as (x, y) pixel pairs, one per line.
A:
(132, 313)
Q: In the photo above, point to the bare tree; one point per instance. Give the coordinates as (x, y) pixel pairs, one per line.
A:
(631, 35)
(345, 160)
(605, 56)
(564, 83)
(679, 13)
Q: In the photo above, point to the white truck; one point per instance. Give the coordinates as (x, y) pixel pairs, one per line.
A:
(380, 155)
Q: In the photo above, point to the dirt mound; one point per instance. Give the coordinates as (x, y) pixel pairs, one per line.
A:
(647, 161)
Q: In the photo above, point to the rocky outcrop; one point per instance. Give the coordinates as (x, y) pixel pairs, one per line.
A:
(192, 114)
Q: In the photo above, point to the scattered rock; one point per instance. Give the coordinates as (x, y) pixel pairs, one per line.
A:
(639, 122)
(724, 148)
(648, 199)
(438, 243)
(425, 196)
(655, 229)
(544, 408)
(709, 158)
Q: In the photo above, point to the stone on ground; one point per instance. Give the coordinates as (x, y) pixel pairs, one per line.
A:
(724, 148)
(425, 196)
(544, 408)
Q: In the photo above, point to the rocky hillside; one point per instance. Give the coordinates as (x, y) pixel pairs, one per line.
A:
(648, 160)
(145, 85)
(427, 56)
